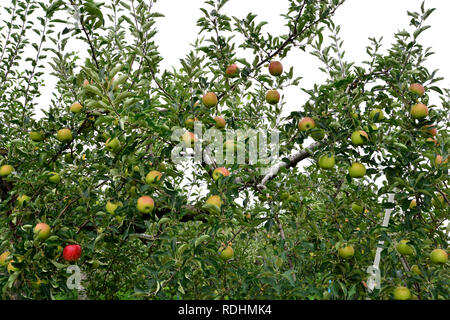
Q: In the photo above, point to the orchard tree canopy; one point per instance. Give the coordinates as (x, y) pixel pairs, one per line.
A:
(114, 179)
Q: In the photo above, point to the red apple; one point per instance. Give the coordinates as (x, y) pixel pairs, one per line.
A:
(145, 204)
(232, 71)
(417, 88)
(217, 173)
(72, 252)
(210, 99)
(220, 122)
(275, 68)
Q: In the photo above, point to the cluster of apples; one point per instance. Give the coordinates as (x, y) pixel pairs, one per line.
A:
(276, 70)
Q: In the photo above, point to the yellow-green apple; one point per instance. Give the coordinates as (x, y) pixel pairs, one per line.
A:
(4, 258)
(220, 122)
(417, 88)
(153, 176)
(219, 172)
(213, 204)
(226, 253)
(419, 111)
(275, 68)
(23, 198)
(76, 107)
(145, 204)
(405, 249)
(413, 204)
(189, 139)
(42, 231)
(232, 71)
(357, 137)
(36, 136)
(376, 115)
(327, 161)
(346, 252)
(190, 122)
(272, 97)
(317, 134)
(113, 145)
(402, 293)
(111, 207)
(357, 170)
(439, 256)
(210, 99)
(54, 177)
(64, 135)
(357, 208)
(306, 124)
(6, 170)
(415, 268)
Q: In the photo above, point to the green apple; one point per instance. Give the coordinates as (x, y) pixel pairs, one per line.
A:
(417, 88)
(42, 231)
(6, 170)
(189, 123)
(275, 68)
(439, 256)
(54, 178)
(111, 207)
(356, 208)
(327, 161)
(306, 124)
(232, 71)
(376, 115)
(317, 134)
(76, 107)
(226, 253)
(284, 195)
(419, 111)
(210, 99)
(113, 145)
(357, 170)
(405, 249)
(36, 136)
(357, 137)
(272, 96)
(402, 293)
(153, 176)
(145, 204)
(219, 172)
(415, 268)
(64, 135)
(346, 252)
(23, 198)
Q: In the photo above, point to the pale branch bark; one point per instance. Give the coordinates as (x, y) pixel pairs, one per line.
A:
(293, 160)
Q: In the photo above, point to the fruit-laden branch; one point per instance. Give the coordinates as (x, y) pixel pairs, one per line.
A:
(293, 160)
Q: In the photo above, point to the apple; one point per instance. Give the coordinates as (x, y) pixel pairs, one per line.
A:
(54, 178)
(6, 170)
(4, 258)
(402, 293)
(413, 204)
(372, 126)
(357, 170)
(111, 207)
(275, 68)
(36, 136)
(431, 129)
(145, 204)
(439, 256)
(72, 252)
(220, 122)
(357, 208)
(217, 173)
(213, 204)
(189, 123)
(327, 161)
(226, 253)
(415, 268)
(376, 115)
(210, 99)
(405, 249)
(189, 139)
(153, 176)
(306, 124)
(76, 107)
(272, 97)
(439, 160)
(317, 134)
(433, 140)
(42, 231)
(346, 252)
(232, 71)
(64, 135)
(417, 88)
(419, 111)
(357, 137)
(23, 198)
(113, 145)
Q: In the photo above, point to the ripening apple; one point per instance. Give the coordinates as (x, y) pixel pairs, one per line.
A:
(433, 140)
(306, 124)
(357, 137)
(417, 88)
(357, 170)
(4, 258)
(438, 160)
(36, 136)
(145, 204)
(153, 176)
(113, 145)
(405, 249)
(272, 96)
(42, 231)
(439, 256)
(189, 139)
(6, 170)
(232, 71)
(76, 107)
(111, 207)
(189, 123)
(219, 172)
(275, 68)
(327, 161)
(431, 129)
(357, 208)
(226, 253)
(413, 204)
(402, 293)
(346, 252)
(220, 122)
(376, 115)
(213, 204)
(72, 252)
(210, 99)
(317, 134)
(54, 178)
(415, 268)
(419, 111)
